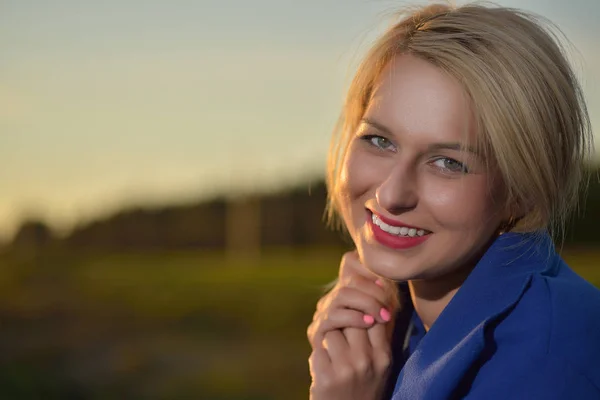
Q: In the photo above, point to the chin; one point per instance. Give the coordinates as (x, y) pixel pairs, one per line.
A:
(388, 263)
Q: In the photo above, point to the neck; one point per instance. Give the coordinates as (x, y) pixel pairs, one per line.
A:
(430, 297)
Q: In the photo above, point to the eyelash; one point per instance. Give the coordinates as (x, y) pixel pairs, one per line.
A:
(369, 140)
(462, 168)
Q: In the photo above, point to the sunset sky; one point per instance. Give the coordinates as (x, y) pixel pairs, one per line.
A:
(108, 104)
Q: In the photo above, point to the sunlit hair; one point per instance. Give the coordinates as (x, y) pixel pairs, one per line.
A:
(531, 116)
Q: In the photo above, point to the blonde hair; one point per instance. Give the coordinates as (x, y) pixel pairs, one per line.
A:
(530, 111)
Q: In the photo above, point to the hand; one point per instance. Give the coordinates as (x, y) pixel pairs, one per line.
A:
(350, 335)
(359, 299)
(353, 365)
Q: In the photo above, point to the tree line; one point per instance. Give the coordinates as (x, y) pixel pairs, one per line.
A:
(289, 218)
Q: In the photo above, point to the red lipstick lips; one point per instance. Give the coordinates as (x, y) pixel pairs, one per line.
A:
(391, 240)
(394, 223)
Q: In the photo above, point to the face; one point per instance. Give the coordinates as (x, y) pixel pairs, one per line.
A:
(415, 196)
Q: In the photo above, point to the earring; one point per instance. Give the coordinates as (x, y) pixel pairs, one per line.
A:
(512, 221)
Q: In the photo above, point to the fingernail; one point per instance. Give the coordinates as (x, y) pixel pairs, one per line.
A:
(379, 283)
(368, 319)
(385, 314)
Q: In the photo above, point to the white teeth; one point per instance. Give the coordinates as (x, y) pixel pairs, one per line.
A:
(394, 230)
(397, 230)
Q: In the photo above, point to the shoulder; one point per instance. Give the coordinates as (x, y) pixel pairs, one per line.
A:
(550, 378)
(549, 342)
(574, 319)
(564, 309)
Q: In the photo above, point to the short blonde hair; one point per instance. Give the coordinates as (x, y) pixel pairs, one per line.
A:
(531, 115)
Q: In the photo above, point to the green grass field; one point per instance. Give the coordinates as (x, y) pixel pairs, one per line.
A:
(166, 326)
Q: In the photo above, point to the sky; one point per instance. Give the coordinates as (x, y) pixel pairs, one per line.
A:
(112, 104)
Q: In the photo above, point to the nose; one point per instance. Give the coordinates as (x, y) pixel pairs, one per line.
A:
(397, 193)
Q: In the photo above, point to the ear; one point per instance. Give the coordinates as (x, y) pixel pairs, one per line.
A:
(514, 213)
(521, 208)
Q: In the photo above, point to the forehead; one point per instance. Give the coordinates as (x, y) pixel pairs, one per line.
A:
(414, 99)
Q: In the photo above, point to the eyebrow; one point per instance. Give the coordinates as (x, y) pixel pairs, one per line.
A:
(432, 147)
(376, 125)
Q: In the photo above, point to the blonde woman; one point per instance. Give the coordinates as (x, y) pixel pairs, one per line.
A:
(460, 150)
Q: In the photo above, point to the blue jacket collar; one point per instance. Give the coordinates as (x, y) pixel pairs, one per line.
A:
(493, 288)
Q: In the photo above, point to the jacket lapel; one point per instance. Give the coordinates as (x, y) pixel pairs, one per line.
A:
(457, 338)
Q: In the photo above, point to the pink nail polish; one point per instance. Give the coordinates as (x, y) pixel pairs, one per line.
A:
(379, 283)
(368, 319)
(385, 314)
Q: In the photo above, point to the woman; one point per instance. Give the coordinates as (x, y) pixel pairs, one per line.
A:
(461, 145)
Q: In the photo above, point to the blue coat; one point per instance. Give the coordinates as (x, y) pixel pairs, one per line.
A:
(522, 326)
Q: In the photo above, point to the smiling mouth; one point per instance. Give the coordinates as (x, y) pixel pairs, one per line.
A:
(398, 230)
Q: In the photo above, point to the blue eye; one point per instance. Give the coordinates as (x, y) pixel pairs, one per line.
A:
(378, 141)
(451, 165)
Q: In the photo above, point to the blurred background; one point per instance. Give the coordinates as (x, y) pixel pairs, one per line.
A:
(161, 189)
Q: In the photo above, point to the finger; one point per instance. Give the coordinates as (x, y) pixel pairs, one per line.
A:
(369, 287)
(337, 319)
(356, 300)
(378, 338)
(352, 268)
(323, 301)
(319, 363)
(337, 348)
(365, 285)
(360, 350)
(381, 346)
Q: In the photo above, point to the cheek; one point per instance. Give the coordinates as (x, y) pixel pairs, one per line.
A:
(459, 205)
(358, 175)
